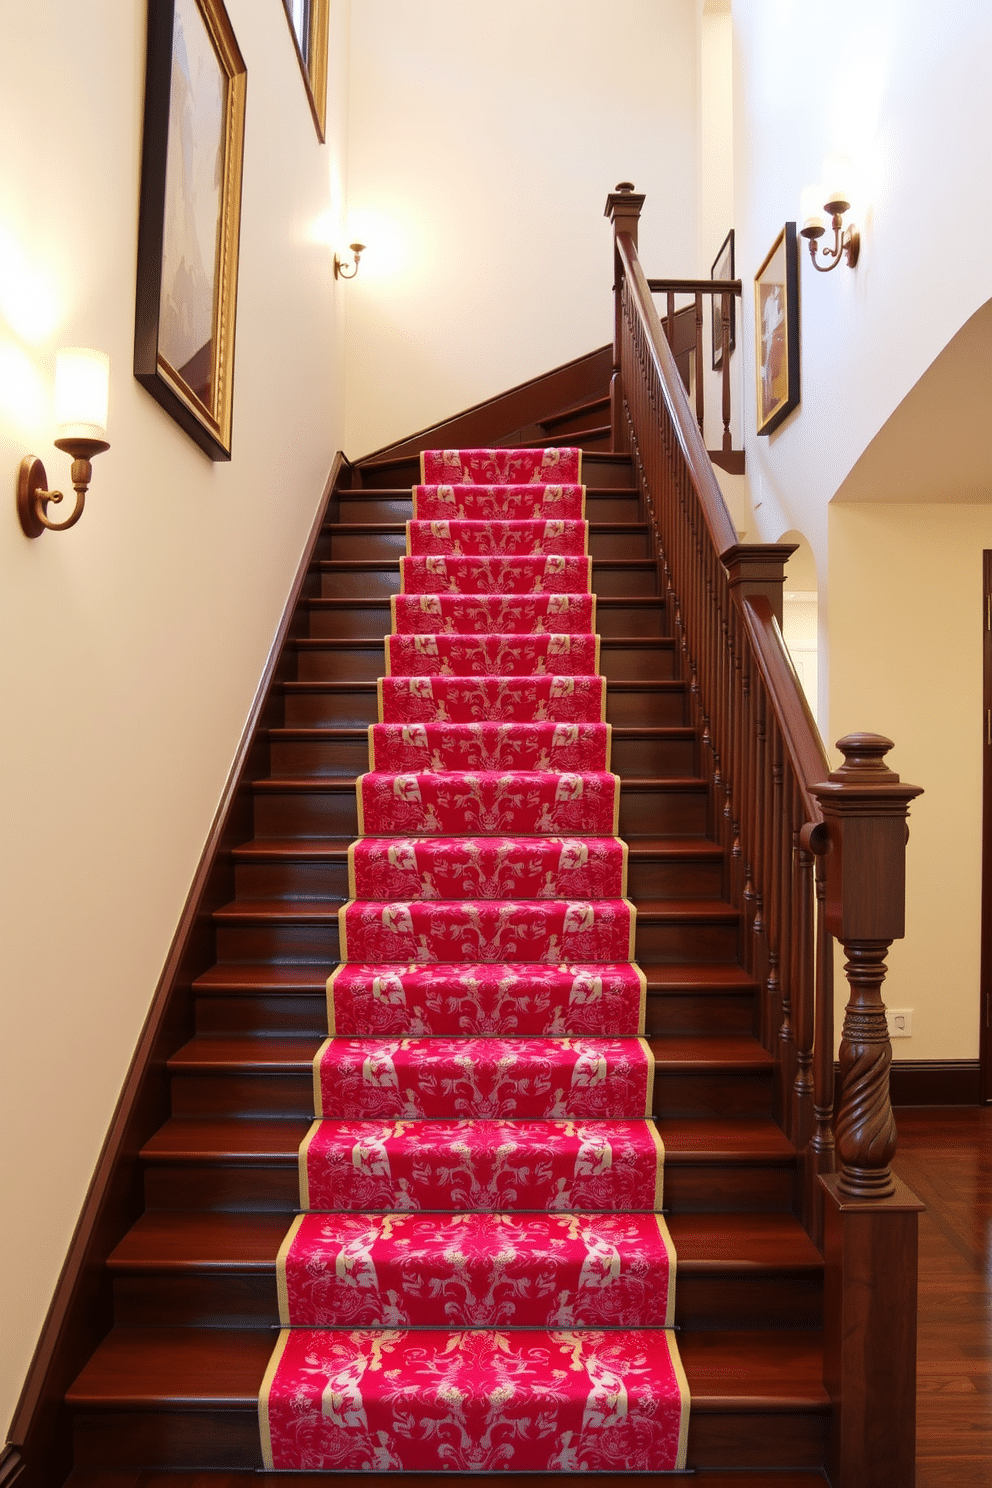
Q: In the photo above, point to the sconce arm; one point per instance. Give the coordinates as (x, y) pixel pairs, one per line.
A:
(33, 494)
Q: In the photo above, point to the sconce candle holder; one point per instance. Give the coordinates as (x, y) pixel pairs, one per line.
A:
(847, 241)
(340, 272)
(81, 387)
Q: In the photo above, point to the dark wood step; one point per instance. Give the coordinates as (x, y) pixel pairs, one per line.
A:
(298, 752)
(711, 1165)
(316, 868)
(600, 467)
(370, 619)
(375, 578)
(386, 541)
(301, 930)
(326, 806)
(395, 504)
(97, 1477)
(235, 1075)
(216, 1269)
(622, 658)
(194, 1393)
(578, 417)
(287, 999)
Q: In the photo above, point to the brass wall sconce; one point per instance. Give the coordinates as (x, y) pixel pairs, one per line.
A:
(847, 241)
(82, 380)
(340, 272)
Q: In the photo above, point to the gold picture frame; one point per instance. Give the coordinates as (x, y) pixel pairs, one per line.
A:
(776, 331)
(190, 217)
(308, 25)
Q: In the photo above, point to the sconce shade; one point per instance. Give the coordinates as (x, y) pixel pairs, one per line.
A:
(82, 384)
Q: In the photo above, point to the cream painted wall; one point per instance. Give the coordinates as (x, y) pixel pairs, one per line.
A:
(134, 643)
(901, 88)
(911, 577)
(484, 138)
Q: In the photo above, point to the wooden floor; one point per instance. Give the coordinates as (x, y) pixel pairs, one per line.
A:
(945, 1155)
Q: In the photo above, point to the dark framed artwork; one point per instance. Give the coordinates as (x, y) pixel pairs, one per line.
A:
(723, 268)
(776, 331)
(190, 216)
(308, 22)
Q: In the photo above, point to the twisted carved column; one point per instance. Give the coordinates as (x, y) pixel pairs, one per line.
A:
(865, 1132)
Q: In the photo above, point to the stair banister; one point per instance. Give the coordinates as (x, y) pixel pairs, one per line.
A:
(814, 855)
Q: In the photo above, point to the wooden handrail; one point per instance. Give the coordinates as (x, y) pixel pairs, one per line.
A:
(694, 286)
(812, 855)
(722, 530)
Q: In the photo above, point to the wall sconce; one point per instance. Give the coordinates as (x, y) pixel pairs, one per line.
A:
(847, 241)
(340, 272)
(82, 381)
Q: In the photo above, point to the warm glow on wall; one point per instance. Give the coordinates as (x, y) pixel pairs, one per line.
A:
(28, 301)
(24, 396)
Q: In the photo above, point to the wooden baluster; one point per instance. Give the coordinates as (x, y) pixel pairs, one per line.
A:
(870, 1217)
(700, 368)
(728, 442)
(820, 1156)
(776, 904)
(623, 207)
(801, 1115)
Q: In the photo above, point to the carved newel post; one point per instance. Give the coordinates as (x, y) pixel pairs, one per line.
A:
(870, 1217)
(623, 207)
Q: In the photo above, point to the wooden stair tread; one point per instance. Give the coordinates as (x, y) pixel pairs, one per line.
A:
(210, 1368)
(322, 911)
(269, 1140)
(335, 848)
(720, 975)
(295, 1052)
(340, 783)
(228, 976)
(171, 1240)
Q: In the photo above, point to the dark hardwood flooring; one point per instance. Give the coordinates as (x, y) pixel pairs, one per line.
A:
(945, 1155)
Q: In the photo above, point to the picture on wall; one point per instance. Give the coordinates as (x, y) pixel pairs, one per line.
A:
(776, 333)
(723, 268)
(308, 22)
(189, 217)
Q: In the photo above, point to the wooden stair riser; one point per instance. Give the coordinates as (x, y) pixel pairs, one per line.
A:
(239, 1298)
(371, 578)
(659, 809)
(306, 1013)
(229, 1438)
(297, 878)
(599, 470)
(317, 944)
(362, 508)
(354, 705)
(621, 659)
(351, 541)
(265, 1093)
(647, 755)
(371, 620)
(690, 1187)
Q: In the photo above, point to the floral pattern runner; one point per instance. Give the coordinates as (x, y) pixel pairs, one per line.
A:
(491, 655)
(480, 1279)
(521, 503)
(493, 998)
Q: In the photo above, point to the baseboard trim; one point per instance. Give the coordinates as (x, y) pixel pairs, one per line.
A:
(11, 1465)
(936, 1082)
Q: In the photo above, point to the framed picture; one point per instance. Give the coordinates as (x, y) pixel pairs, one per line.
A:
(308, 23)
(776, 331)
(723, 268)
(189, 217)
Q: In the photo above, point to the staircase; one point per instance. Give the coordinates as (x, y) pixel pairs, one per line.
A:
(174, 1384)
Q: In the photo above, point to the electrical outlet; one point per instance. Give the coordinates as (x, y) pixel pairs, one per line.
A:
(900, 1021)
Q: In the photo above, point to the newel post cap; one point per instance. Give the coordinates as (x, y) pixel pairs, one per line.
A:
(623, 207)
(865, 806)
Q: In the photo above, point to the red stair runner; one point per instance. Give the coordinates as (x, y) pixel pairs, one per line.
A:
(481, 1279)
